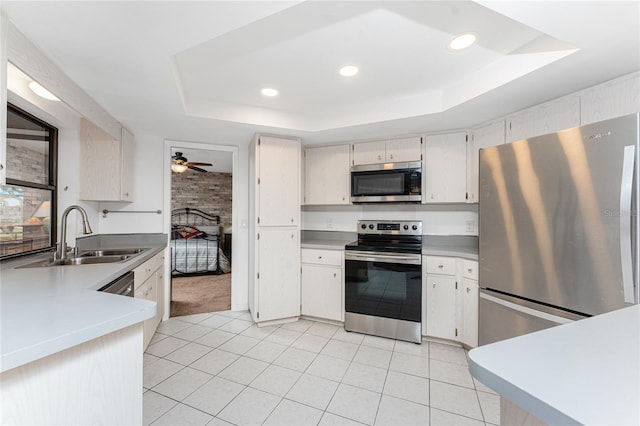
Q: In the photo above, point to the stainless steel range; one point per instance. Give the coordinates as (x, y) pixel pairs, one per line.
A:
(383, 280)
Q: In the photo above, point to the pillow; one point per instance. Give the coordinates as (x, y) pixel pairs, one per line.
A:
(209, 229)
(189, 232)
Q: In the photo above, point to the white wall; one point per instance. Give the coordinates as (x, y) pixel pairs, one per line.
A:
(436, 219)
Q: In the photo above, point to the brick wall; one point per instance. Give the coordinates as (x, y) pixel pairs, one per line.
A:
(209, 192)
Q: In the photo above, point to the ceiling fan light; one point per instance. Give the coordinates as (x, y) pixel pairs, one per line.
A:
(462, 41)
(178, 168)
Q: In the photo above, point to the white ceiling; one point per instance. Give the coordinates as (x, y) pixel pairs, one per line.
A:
(193, 70)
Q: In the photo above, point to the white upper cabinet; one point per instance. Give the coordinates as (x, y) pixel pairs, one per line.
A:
(560, 114)
(612, 99)
(327, 175)
(369, 153)
(445, 168)
(106, 164)
(482, 137)
(405, 149)
(389, 151)
(278, 180)
(126, 188)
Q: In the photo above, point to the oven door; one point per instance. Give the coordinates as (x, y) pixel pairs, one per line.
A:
(387, 285)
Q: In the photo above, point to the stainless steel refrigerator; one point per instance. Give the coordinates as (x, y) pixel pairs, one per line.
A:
(558, 228)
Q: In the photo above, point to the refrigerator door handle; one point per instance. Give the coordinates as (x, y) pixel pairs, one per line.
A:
(626, 187)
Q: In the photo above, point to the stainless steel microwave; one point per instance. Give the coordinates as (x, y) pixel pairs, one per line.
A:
(387, 183)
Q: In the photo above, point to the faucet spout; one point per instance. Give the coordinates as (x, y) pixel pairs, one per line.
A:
(61, 253)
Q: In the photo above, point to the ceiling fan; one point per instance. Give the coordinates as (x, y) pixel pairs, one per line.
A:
(180, 164)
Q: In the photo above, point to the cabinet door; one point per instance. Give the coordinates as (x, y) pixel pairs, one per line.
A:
(327, 178)
(560, 114)
(482, 137)
(278, 271)
(469, 313)
(613, 99)
(368, 153)
(100, 162)
(406, 149)
(445, 168)
(278, 181)
(441, 306)
(127, 147)
(321, 292)
(160, 294)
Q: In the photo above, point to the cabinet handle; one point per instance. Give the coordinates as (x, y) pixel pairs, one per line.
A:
(379, 157)
(334, 275)
(468, 290)
(434, 285)
(126, 194)
(1, 166)
(391, 156)
(440, 266)
(291, 235)
(469, 270)
(291, 219)
(319, 257)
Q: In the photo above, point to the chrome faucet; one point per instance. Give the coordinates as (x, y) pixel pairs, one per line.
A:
(61, 253)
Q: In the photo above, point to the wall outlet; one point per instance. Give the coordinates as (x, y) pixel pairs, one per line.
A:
(470, 226)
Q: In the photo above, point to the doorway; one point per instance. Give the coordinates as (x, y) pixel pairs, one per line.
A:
(201, 221)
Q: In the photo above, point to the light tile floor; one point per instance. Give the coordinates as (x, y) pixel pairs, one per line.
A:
(220, 369)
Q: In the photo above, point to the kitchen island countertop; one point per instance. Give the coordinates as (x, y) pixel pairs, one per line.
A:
(49, 309)
(585, 372)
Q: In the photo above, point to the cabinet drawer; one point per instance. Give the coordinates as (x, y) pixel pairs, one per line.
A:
(144, 271)
(441, 265)
(322, 257)
(470, 269)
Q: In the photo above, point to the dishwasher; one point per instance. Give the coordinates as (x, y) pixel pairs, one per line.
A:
(122, 285)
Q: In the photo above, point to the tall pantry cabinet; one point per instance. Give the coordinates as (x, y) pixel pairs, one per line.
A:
(274, 209)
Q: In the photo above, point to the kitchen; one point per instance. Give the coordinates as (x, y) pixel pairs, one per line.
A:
(158, 123)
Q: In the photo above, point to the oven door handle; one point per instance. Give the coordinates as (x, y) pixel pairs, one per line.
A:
(409, 259)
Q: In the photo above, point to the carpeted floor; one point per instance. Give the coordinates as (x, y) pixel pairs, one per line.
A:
(200, 294)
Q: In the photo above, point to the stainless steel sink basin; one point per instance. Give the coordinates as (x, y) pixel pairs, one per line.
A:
(92, 257)
(111, 252)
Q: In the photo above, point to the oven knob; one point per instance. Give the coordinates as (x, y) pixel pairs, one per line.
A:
(414, 227)
(406, 227)
(363, 226)
(371, 226)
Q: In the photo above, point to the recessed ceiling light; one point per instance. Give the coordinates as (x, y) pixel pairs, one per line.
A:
(462, 41)
(42, 92)
(349, 70)
(268, 91)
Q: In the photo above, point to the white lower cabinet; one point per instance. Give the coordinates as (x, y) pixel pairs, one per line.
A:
(451, 291)
(278, 279)
(322, 284)
(469, 312)
(148, 285)
(441, 306)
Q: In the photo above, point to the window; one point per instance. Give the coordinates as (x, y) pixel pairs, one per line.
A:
(28, 200)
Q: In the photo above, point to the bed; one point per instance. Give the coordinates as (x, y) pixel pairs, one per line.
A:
(195, 243)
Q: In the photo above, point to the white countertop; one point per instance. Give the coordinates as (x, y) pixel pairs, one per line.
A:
(47, 310)
(586, 372)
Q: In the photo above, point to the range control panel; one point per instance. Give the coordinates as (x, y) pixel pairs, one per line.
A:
(390, 227)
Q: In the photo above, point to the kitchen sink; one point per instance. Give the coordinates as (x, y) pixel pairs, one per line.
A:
(110, 252)
(91, 257)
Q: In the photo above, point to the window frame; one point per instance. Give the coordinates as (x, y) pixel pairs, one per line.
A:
(52, 184)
